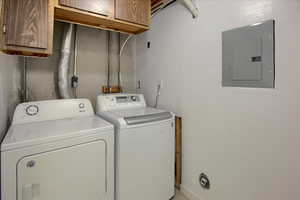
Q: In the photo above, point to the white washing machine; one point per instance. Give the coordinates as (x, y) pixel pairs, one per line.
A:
(57, 150)
(145, 147)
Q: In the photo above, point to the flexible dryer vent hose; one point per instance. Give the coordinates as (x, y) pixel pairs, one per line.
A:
(64, 62)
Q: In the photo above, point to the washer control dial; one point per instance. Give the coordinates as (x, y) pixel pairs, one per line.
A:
(133, 98)
(32, 110)
(81, 105)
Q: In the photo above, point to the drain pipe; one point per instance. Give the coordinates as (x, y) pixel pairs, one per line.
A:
(64, 62)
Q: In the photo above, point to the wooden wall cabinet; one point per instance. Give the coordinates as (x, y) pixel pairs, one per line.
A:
(134, 11)
(128, 16)
(102, 7)
(27, 27)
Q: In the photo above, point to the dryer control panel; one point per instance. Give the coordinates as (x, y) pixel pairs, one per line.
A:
(120, 101)
(52, 110)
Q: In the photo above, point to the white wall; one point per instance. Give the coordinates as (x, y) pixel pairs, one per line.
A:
(9, 87)
(247, 140)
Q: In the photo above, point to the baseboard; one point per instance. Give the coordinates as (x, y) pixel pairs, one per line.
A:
(187, 193)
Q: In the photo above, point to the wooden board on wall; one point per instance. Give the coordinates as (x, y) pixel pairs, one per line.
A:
(178, 159)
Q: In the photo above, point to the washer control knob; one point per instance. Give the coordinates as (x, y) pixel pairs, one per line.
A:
(30, 164)
(133, 98)
(32, 110)
(81, 105)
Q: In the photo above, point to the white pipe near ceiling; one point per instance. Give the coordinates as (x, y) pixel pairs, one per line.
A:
(191, 6)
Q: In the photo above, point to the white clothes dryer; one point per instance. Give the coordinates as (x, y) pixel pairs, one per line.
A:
(57, 150)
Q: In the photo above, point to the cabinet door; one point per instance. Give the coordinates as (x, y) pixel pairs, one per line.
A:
(102, 7)
(135, 11)
(27, 23)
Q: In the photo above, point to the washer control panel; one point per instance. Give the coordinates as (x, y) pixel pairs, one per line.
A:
(120, 101)
(127, 99)
(52, 110)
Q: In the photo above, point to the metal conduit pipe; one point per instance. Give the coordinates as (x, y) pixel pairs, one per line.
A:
(64, 62)
(24, 81)
(108, 59)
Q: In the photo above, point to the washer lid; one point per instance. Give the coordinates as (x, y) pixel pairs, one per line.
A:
(147, 118)
(23, 135)
(136, 116)
(124, 113)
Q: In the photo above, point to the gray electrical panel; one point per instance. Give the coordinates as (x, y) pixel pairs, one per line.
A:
(248, 56)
